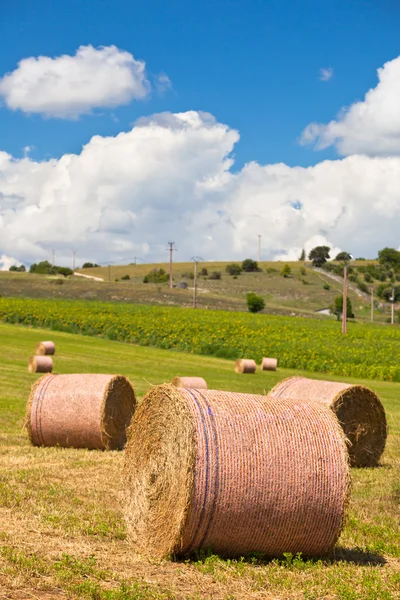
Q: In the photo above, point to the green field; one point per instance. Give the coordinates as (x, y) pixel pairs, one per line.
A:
(310, 344)
(61, 527)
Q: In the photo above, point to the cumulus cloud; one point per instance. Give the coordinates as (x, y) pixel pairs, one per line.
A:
(6, 262)
(69, 86)
(371, 126)
(325, 74)
(170, 178)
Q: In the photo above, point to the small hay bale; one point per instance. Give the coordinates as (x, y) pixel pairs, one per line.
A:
(245, 365)
(233, 473)
(358, 409)
(190, 382)
(40, 364)
(269, 364)
(80, 411)
(43, 348)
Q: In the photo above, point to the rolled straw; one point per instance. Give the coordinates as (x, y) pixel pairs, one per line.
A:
(234, 473)
(245, 365)
(43, 348)
(190, 382)
(40, 364)
(80, 411)
(269, 364)
(358, 409)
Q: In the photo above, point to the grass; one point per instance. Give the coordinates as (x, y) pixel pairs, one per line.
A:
(61, 529)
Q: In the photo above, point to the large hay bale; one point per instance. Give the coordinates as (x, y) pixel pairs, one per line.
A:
(235, 473)
(190, 382)
(245, 365)
(358, 409)
(269, 364)
(80, 411)
(43, 348)
(40, 364)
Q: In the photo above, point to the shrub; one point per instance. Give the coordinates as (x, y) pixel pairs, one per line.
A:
(337, 308)
(363, 287)
(125, 277)
(203, 272)
(215, 275)
(255, 303)
(187, 275)
(368, 277)
(326, 286)
(303, 271)
(156, 276)
(271, 270)
(250, 265)
(286, 271)
(233, 269)
(20, 269)
(64, 271)
(89, 265)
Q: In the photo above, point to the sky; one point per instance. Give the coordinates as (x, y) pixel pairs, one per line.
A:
(128, 124)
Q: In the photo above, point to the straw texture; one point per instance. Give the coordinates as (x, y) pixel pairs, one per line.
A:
(80, 411)
(235, 473)
(245, 365)
(43, 348)
(358, 409)
(40, 364)
(269, 364)
(190, 382)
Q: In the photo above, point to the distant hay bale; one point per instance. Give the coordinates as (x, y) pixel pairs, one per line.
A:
(190, 382)
(269, 364)
(245, 365)
(234, 473)
(40, 364)
(80, 411)
(43, 348)
(358, 409)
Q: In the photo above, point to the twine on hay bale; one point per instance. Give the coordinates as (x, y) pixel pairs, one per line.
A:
(190, 382)
(235, 473)
(358, 409)
(269, 364)
(80, 411)
(40, 364)
(245, 365)
(43, 348)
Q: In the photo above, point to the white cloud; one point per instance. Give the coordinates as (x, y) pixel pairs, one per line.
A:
(6, 262)
(69, 86)
(170, 178)
(162, 83)
(371, 126)
(325, 74)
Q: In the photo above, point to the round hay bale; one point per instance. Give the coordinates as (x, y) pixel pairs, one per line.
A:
(43, 348)
(40, 364)
(269, 364)
(80, 411)
(358, 409)
(190, 382)
(235, 473)
(245, 365)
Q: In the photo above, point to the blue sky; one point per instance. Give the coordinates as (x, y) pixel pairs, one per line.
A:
(253, 64)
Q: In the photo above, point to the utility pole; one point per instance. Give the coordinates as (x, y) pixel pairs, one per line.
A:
(259, 247)
(73, 260)
(196, 260)
(372, 304)
(392, 299)
(344, 310)
(171, 250)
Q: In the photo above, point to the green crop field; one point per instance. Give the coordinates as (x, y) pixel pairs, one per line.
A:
(61, 526)
(367, 350)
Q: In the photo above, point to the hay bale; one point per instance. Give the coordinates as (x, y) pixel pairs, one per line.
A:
(235, 473)
(43, 348)
(245, 365)
(40, 364)
(190, 382)
(80, 411)
(269, 364)
(358, 409)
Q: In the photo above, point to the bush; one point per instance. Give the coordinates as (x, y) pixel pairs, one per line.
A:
(337, 308)
(250, 265)
(303, 271)
(363, 287)
(187, 275)
(89, 265)
(286, 271)
(255, 303)
(215, 275)
(125, 277)
(326, 286)
(156, 276)
(233, 269)
(64, 271)
(20, 269)
(203, 272)
(368, 277)
(271, 270)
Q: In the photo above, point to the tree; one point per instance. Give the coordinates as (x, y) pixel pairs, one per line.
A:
(249, 265)
(215, 275)
(319, 255)
(156, 276)
(233, 269)
(343, 257)
(20, 269)
(64, 271)
(89, 265)
(286, 271)
(255, 303)
(337, 308)
(390, 258)
(302, 256)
